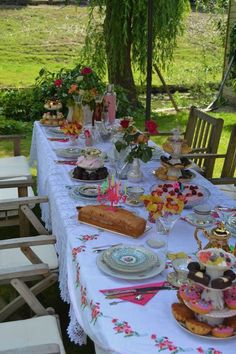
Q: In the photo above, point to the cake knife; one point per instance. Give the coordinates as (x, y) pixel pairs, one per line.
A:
(109, 293)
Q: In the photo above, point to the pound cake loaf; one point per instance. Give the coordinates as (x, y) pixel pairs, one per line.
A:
(119, 220)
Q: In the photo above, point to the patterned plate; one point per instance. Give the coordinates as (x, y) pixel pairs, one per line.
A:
(129, 259)
(70, 152)
(88, 190)
(56, 132)
(149, 273)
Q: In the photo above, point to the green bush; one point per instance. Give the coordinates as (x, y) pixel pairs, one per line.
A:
(20, 104)
(12, 126)
(27, 104)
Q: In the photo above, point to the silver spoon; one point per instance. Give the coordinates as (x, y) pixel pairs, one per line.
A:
(137, 297)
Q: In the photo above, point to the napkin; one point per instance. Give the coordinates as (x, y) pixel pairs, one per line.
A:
(131, 298)
(61, 140)
(65, 162)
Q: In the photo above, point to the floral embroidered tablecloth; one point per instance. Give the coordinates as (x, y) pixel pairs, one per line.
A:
(125, 328)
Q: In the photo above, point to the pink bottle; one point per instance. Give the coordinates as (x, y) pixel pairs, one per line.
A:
(110, 103)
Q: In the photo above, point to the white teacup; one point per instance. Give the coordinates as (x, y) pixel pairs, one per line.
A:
(134, 193)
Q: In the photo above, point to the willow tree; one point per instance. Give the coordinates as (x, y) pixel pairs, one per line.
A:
(116, 38)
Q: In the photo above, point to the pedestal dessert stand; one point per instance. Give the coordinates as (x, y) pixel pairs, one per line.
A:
(174, 166)
(52, 116)
(211, 265)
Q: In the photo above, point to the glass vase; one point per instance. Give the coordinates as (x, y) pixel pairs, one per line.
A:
(135, 174)
(75, 113)
(73, 140)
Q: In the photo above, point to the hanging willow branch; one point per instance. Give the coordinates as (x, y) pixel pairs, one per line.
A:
(112, 24)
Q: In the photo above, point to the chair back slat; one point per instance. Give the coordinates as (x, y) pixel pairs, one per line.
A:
(229, 165)
(203, 134)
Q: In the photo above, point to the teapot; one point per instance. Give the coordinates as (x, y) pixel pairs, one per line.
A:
(218, 237)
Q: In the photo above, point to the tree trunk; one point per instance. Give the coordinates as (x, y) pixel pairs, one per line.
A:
(121, 73)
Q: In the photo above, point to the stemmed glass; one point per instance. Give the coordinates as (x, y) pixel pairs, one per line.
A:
(167, 220)
(164, 225)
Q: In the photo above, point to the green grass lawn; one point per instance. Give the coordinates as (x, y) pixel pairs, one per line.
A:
(34, 37)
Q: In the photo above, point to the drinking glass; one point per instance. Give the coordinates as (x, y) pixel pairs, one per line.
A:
(167, 221)
(224, 213)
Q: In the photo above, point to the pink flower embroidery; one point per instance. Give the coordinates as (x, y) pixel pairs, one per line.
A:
(84, 301)
(77, 281)
(85, 238)
(123, 327)
(95, 311)
(77, 250)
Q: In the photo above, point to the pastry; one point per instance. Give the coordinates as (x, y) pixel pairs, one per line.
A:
(200, 306)
(221, 283)
(181, 312)
(230, 274)
(215, 257)
(230, 291)
(222, 331)
(199, 277)
(231, 322)
(83, 174)
(89, 163)
(198, 327)
(116, 219)
(230, 301)
(194, 266)
(189, 292)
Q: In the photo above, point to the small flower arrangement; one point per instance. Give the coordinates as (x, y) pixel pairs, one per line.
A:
(138, 144)
(71, 128)
(77, 85)
(158, 206)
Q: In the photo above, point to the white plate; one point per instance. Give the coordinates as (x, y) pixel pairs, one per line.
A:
(208, 336)
(88, 191)
(56, 132)
(190, 202)
(192, 219)
(130, 259)
(133, 203)
(142, 275)
(70, 152)
(85, 180)
(226, 312)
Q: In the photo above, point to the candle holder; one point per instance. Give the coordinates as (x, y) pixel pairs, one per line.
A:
(110, 191)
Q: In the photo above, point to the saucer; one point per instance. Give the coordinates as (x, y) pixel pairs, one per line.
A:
(193, 219)
(133, 203)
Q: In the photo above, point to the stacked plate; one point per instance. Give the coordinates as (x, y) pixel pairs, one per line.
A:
(130, 262)
(89, 191)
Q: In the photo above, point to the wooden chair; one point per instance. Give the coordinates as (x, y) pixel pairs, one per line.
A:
(28, 259)
(39, 335)
(15, 178)
(202, 134)
(227, 179)
(25, 215)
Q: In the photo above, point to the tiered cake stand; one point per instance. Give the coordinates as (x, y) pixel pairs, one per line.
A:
(214, 293)
(52, 117)
(174, 166)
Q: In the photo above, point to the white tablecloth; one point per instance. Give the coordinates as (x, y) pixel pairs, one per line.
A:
(125, 328)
